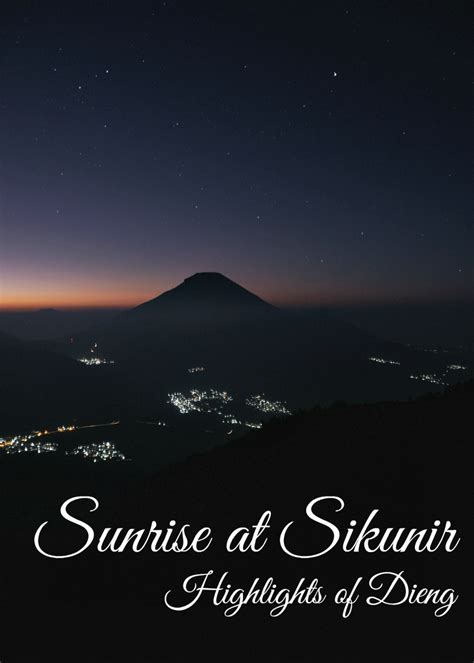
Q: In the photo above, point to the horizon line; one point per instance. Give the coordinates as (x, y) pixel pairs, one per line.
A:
(324, 302)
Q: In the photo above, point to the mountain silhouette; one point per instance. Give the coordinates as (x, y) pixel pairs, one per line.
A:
(204, 296)
(245, 343)
(201, 311)
(246, 346)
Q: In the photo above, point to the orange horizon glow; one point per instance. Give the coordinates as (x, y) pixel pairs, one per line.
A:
(337, 297)
(75, 298)
(80, 302)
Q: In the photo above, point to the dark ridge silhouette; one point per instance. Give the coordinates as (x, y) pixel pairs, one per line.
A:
(7, 341)
(38, 385)
(50, 324)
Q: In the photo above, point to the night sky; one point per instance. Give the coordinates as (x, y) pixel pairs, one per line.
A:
(317, 153)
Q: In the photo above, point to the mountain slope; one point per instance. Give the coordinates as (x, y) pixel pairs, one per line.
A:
(201, 295)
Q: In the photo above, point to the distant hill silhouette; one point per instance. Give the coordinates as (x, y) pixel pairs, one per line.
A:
(39, 385)
(51, 324)
(7, 342)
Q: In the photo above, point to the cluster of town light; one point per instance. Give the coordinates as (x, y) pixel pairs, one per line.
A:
(35, 442)
(428, 377)
(21, 445)
(93, 359)
(432, 378)
(262, 404)
(28, 441)
(381, 360)
(98, 451)
(199, 401)
(436, 379)
(234, 421)
(211, 401)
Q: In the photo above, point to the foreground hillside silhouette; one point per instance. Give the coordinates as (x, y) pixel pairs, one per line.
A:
(408, 459)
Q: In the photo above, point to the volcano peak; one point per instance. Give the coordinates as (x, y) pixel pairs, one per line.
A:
(207, 276)
(205, 291)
